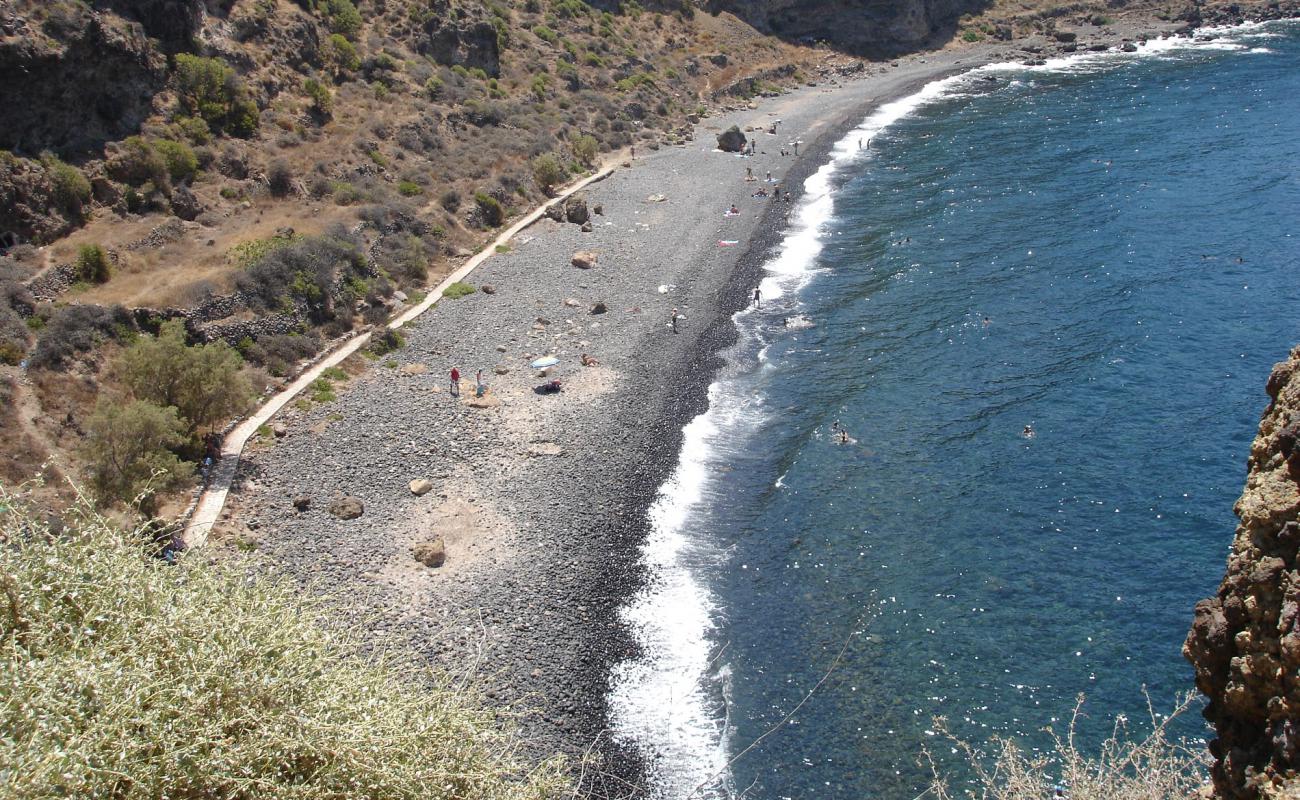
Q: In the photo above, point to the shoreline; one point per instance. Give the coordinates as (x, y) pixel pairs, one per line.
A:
(537, 605)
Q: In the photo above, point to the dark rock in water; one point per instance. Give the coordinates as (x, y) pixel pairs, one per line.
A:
(302, 502)
(1129, 47)
(1245, 642)
(731, 140)
(347, 508)
(431, 554)
(575, 209)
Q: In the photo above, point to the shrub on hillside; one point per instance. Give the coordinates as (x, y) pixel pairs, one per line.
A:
(13, 336)
(341, 54)
(78, 329)
(343, 17)
(138, 162)
(93, 265)
(322, 99)
(306, 270)
(279, 178)
(386, 342)
(584, 149)
(202, 382)
(493, 212)
(71, 189)
(548, 172)
(210, 89)
(280, 353)
(112, 654)
(179, 159)
(129, 449)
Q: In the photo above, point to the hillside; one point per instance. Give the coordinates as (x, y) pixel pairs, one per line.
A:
(279, 172)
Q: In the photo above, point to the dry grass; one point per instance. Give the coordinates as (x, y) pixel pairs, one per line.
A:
(125, 677)
(1127, 766)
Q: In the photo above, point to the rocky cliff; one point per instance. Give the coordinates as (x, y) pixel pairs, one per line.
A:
(1245, 642)
(860, 26)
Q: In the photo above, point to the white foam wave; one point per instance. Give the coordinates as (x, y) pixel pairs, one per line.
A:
(671, 700)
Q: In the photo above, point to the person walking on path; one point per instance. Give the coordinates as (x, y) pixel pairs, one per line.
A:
(455, 382)
(758, 298)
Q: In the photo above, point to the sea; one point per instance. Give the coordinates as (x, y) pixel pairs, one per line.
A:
(973, 460)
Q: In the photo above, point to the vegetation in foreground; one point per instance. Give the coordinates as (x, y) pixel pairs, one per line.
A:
(1152, 767)
(122, 676)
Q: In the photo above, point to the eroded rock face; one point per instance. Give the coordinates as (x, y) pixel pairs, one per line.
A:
(469, 43)
(862, 26)
(94, 84)
(1245, 642)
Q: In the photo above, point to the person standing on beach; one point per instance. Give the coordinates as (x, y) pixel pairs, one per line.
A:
(758, 298)
(673, 320)
(455, 382)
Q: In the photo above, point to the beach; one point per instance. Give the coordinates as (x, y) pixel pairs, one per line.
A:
(541, 499)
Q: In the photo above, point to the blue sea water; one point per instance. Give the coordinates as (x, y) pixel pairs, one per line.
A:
(1103, 249)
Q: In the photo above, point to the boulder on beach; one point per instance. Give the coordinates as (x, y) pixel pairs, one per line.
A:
(732, 140)
(279, 430)
(420, 486)
(586, 227)
(584, 259)
(347, 507)
(488, 288)
(599, 307)
(432, 553)
(575, 209)
(302, 502)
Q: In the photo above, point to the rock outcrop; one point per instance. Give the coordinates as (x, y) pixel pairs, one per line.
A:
(1245, 642)
(858, 26)
(94, 82)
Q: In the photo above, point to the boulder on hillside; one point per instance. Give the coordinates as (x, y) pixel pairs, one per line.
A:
(584, 259)
(347, 507)
(575, 210)
(432, 553)
(731, 140)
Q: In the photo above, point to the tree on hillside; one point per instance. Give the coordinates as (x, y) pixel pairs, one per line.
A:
(128, 446)
(202, 382)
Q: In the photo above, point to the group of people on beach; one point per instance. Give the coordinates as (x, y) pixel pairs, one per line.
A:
(480, 388)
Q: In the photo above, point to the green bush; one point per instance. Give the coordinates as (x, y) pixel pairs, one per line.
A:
(79, 329)
(129, 449)
(138, 162)
(206, 679)
(342, 54)
(548, 172)
(179, 158)
(71, 189)
(493, 213)
(409, 188)
(458, 290)
(322, 99)
(343, 17)
(386, 342)
(195, 129)
(434, 87)
(203, 382)
(93, 264)
(546, 34)
(584, 149)
(210, 89)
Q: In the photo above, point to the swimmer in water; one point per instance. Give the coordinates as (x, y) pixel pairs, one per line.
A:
(1028, 432)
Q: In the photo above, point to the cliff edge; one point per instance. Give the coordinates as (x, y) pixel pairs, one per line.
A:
(1245, 642)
